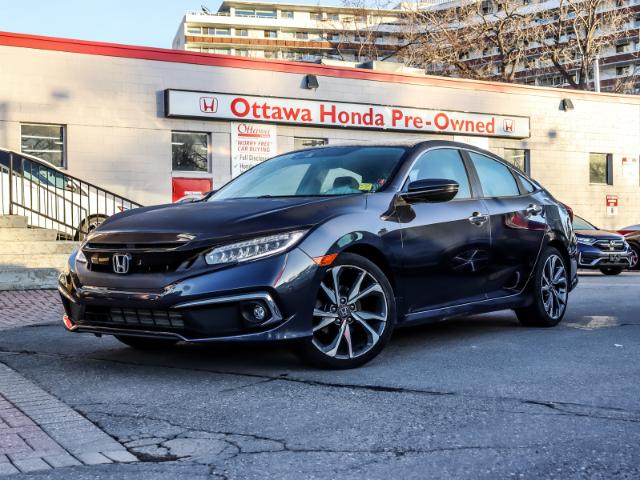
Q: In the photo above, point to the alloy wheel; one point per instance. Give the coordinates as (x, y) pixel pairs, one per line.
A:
(634, 259)
(350, 313)
(554, 287)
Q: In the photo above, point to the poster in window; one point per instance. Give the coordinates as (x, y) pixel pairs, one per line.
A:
(251, 144)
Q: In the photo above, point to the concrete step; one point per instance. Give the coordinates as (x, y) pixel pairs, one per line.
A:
(37, 248)
(53, 260)
(28, 279)
(27, 234)
(13, 221)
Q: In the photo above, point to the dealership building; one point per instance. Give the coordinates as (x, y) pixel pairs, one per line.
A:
(153, 124)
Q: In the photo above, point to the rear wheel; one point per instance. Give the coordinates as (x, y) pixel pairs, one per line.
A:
(353, 317)
(611, 270)
(550, 291)
(142, 343)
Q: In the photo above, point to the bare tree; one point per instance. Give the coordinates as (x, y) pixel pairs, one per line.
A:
(577, 31)
(359, 28)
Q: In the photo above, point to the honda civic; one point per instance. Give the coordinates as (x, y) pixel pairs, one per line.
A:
(331, 249)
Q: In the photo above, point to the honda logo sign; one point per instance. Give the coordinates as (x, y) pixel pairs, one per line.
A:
(208, 104)
(121, 263)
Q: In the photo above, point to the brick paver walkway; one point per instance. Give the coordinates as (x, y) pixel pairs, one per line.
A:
(39, 432)
(29, 307)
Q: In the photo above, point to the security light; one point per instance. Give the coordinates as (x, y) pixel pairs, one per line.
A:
(311, 82)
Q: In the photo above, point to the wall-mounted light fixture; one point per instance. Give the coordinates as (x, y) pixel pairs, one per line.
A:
(311, 82)
(566, 104)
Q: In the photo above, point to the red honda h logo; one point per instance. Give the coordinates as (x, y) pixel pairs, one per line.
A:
(208, 104)
(507, 126)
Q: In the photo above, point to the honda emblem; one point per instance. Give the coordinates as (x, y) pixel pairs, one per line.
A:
(507, 125)
(121, 263)
(208, 104)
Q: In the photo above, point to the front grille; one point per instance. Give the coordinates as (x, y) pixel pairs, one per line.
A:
(137, 317)
(141, 262)
(610, 245)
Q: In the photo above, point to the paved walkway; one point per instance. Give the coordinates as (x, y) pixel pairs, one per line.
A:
(39, 432)
(29, 307)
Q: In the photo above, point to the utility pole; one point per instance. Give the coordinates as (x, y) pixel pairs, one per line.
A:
(596, 73)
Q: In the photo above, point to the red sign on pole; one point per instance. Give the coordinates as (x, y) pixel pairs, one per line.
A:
(189, 187)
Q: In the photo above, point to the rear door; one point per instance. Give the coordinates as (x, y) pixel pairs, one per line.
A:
(445, 244)
(517, 220)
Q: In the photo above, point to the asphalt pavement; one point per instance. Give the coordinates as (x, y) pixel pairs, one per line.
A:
(476, 397)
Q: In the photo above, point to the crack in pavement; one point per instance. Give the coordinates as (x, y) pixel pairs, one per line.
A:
(561, 407)
(208, 449)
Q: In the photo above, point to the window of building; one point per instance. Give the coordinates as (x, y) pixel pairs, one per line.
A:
(190, 151)
(242, 52)
(266, 14)
(245, 12)
(219, 31)
(518, 157)
(622, 47)
(219, 51)
(442, 163)
(302, 36)
(623, 70)
(44, 141)
(495, 178)
(317, 16)
(194, 30)
(242, 32)
(286, 14)
(269, 54)
(601, 168)
(334, 17)
(270, 34)
(304, 142)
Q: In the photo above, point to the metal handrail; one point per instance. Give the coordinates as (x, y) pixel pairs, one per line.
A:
(51, 198)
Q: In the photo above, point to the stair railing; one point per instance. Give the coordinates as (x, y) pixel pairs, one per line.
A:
(51, 198)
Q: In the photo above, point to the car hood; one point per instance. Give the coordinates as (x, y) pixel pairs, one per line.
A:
(204, 222)
(600, 234)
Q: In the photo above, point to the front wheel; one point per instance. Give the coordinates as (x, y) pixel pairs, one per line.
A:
(550, 291)
(353, 317)
(611, 270)
(635, 257)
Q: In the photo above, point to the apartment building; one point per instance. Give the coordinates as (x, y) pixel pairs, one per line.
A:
(291, 31)
(323, 33)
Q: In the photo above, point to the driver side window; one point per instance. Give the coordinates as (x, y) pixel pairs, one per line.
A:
(444, 163)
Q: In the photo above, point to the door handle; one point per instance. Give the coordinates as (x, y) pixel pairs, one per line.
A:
(533, 209)
(478, 218)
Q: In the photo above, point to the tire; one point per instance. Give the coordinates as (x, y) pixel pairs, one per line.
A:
(635, 259)
(143, 343)
(351, 331)
(611, 270)
(548, 308)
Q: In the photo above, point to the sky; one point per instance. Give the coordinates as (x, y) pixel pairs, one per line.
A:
(150, 23)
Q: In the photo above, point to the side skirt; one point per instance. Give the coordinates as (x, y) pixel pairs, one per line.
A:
(483, 306)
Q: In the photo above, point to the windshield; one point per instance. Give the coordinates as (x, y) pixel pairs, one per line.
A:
(582, 224)
(317, 172)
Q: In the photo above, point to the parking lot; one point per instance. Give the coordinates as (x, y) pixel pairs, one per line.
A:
(477, 397)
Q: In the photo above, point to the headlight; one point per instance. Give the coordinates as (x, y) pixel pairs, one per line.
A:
(80, 258)
(587, 240)
(254, 248)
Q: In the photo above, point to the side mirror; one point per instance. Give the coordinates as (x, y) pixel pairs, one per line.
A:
(431, 190)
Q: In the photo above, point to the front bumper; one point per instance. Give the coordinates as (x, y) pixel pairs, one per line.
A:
(213, 306)
(594, 258)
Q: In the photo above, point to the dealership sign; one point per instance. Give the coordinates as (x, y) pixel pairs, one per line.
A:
(247, 108)
(251, 143)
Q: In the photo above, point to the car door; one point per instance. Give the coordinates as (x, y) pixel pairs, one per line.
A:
(444, 244)
(517, 221)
